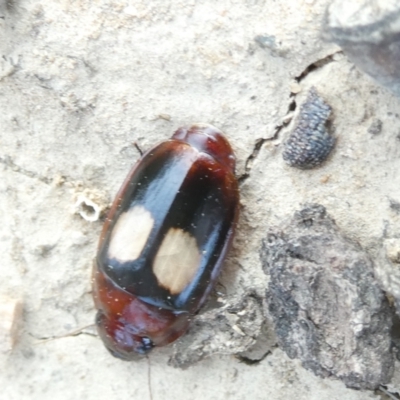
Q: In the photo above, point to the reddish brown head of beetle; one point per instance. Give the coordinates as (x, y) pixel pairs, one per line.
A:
(210, 140)
(119, 341)
(128, 326)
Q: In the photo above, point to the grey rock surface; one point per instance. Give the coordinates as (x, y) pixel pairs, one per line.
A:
(80, 81)
(369, 33)
(326, 305)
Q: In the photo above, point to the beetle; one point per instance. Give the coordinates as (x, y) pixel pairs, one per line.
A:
(164, 240)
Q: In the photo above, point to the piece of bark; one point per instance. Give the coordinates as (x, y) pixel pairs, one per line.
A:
(327, 308)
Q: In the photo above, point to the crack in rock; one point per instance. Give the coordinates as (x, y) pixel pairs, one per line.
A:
(9, 163)
(316, 65)
(260, 142)
(77, 332)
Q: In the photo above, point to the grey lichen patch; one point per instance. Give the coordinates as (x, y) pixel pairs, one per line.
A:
(310, 143)
(87, 209)
(90, 204)
(326, 305)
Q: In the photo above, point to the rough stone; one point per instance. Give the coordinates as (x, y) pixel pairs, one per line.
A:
(81, 82)
(368, 32)
(226, 330)
(326, 305)
(388, 271)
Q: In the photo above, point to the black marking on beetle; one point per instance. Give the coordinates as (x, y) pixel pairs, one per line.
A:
(310, 143)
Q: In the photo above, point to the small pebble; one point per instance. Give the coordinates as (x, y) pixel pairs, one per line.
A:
(310, 143)
(10, 319)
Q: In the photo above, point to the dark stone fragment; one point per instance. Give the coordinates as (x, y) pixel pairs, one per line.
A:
(327, 308)
(310, 143)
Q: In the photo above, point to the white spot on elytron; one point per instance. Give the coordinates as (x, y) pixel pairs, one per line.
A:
(130, 234)
(177, 260)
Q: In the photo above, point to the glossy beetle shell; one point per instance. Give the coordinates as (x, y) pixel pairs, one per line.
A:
(164, 241)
